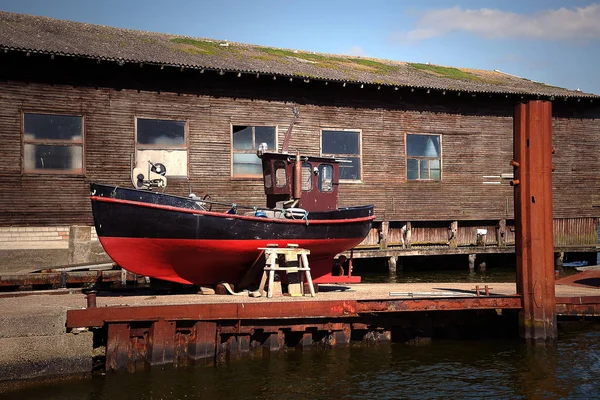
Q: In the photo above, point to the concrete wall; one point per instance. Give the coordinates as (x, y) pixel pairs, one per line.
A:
(24, 249)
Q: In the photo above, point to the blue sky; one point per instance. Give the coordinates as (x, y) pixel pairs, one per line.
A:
(551, 41)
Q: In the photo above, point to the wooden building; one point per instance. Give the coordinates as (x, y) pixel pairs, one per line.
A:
(430, 146)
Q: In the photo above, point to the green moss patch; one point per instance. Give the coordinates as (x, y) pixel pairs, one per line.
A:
(446, 72)
(194, 46)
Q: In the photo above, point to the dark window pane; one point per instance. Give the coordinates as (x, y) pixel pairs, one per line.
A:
(268, 180)
(161, 132)
(265, 134)
(52, 127)
(412, 169)
(242, 138)
(52, 157)
(341, 142)
(423, 145)
(350, 170)
(325, 178)
(307, 176)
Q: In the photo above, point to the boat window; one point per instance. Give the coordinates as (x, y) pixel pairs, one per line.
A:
(423, 157)
(268, 180)
(245, 142)
(162, 141)
(325, 177)
(52, 143)
(280, 174)
(344, 144)
(306, 176)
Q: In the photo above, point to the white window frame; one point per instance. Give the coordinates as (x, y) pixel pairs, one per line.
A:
(185, 146)
(49, 142)
(249, 151)
(341, 156)
(407, 157)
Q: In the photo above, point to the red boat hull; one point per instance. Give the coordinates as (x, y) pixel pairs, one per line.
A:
(192, 261)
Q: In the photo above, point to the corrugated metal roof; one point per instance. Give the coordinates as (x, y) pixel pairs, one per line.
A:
(45, 35)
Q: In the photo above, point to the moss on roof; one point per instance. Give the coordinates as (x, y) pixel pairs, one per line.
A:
(194, 46)
(45, 35)
(445, 72)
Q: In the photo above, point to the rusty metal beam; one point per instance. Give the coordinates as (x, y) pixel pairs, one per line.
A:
(161, 343)
(445, 304)
(210, 312)
(279, 310)
(67, 277)
(533, 218)
(587, 306)
(117, 347)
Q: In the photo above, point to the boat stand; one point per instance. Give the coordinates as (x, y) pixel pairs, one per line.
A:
(292, 260)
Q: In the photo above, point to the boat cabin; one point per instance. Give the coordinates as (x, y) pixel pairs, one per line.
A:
(295, 181)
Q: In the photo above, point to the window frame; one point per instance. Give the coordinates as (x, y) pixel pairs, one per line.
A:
(185, 146)
(233, 151)
(342, 156)
(419, 158)
(49, 142)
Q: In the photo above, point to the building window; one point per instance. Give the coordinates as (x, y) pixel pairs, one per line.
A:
(52, 144)
(423, 157)
(245, 142)
(344, 145)
(162, 141)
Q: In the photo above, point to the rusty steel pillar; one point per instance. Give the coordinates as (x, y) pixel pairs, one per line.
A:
(533, 218)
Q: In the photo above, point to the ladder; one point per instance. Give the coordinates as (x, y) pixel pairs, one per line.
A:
(291, 260)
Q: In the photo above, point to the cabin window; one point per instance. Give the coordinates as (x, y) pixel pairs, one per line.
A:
(162, 141)
(344, 145)
(280, 174)
(307, 177)
(53, 143)
(423, 157)
(245, 142)
(326, 177)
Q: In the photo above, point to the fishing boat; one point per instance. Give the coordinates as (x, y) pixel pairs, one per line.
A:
(182, 239)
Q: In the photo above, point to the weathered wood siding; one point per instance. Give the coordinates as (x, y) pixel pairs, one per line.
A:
(475, 143)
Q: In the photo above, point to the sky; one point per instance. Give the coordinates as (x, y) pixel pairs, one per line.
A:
(550, 41)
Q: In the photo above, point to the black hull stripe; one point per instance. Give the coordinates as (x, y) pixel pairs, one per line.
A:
(235, 216)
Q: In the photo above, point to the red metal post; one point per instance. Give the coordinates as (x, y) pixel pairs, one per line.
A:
(533, 218)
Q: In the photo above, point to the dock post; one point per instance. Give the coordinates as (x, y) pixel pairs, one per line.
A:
(392, 262)
(533, 218)
(472, 258)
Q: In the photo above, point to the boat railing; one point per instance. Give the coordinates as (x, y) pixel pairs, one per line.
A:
(263, 212)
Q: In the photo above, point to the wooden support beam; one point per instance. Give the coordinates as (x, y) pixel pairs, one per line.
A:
(453, 234)
(501, 233)
(383, 234)
(533, 218)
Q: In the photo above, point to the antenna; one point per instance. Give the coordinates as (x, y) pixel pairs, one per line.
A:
(288, 134)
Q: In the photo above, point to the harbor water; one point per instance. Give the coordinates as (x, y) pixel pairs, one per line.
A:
(502, 369)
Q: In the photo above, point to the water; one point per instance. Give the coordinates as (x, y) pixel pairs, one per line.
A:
(503, 369)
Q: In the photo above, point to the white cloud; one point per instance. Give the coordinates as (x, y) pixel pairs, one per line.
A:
(356, 51)
(560, 24)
